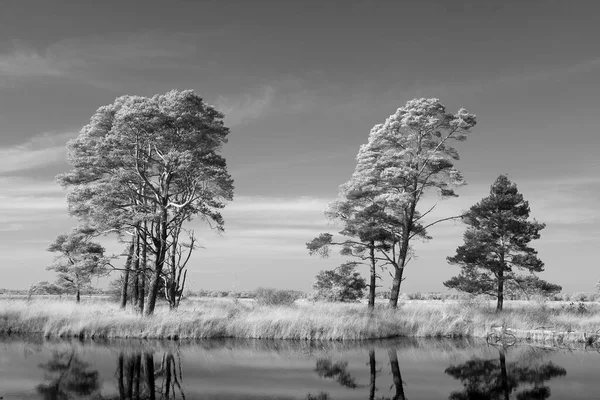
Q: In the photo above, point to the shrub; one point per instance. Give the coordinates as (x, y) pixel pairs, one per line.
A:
(415, 296)
(275, 297)
(340, 284)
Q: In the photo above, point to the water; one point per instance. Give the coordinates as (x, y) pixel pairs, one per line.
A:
(234, 369)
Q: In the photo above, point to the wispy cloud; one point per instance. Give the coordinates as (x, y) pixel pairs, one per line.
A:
(246, 107)
(87, 59)
(261, 225)
(23, 63)
(244, 204)
(281, 97)
(27, 203)
(39, 151)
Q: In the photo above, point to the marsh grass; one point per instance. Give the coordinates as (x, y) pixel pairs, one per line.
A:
(224, 318)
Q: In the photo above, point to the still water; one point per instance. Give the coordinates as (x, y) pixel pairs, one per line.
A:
(234, 369)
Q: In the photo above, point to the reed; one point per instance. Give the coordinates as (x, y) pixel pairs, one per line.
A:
(302, 321)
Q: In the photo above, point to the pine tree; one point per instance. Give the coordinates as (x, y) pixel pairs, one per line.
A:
(496, 246)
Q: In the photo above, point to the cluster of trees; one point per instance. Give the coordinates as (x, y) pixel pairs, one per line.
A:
(411, 155)
(141, 169)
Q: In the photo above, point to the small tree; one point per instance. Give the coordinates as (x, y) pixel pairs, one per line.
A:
(176, 271)
(496, 246)
(340, 284)
(52, 288)
(78, 261)
(365, 236)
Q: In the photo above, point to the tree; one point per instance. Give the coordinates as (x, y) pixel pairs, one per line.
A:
(78, 261)
(405, 157)
(496, 245)
(176, 273)
(340, 284)
(144, 166)
(58, 288)
(365, 236)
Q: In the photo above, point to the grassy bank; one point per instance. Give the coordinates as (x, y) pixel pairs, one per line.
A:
(207, 318)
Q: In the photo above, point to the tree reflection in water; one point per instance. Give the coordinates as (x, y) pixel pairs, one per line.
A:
(320, 396)
(140, 379)
(141, 375)
(327, 369)
(67, 377)
(497, 379)
(396, 376)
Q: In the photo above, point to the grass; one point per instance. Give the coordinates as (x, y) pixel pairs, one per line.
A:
(225, 318)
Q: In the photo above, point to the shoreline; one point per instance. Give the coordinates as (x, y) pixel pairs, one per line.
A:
(303, 322)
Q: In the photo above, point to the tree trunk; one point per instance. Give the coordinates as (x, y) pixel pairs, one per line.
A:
(136, 274)
(399, 268)
(397, 377)
(159, 262)
(142, 282)
(373, 369)
(172, 285)
(500, 293)
(126, 274)
(153, 288)
(395, 292)
(78, 296)
(373, 282)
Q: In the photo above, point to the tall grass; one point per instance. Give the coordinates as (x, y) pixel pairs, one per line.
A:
(225, 318)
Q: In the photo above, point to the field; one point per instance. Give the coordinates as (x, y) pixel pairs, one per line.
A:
(200, 318)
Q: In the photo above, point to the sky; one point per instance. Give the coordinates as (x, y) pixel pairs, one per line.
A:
(301, 84)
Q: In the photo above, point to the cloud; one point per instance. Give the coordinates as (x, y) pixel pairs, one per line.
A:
(266, 225)
(39, 151)
(286, 96)
(246, 107)
(28, 63)
(87, 59)
(245, 204)
(29, 203)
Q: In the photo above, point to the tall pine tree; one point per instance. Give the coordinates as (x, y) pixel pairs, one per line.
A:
(496, 246)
